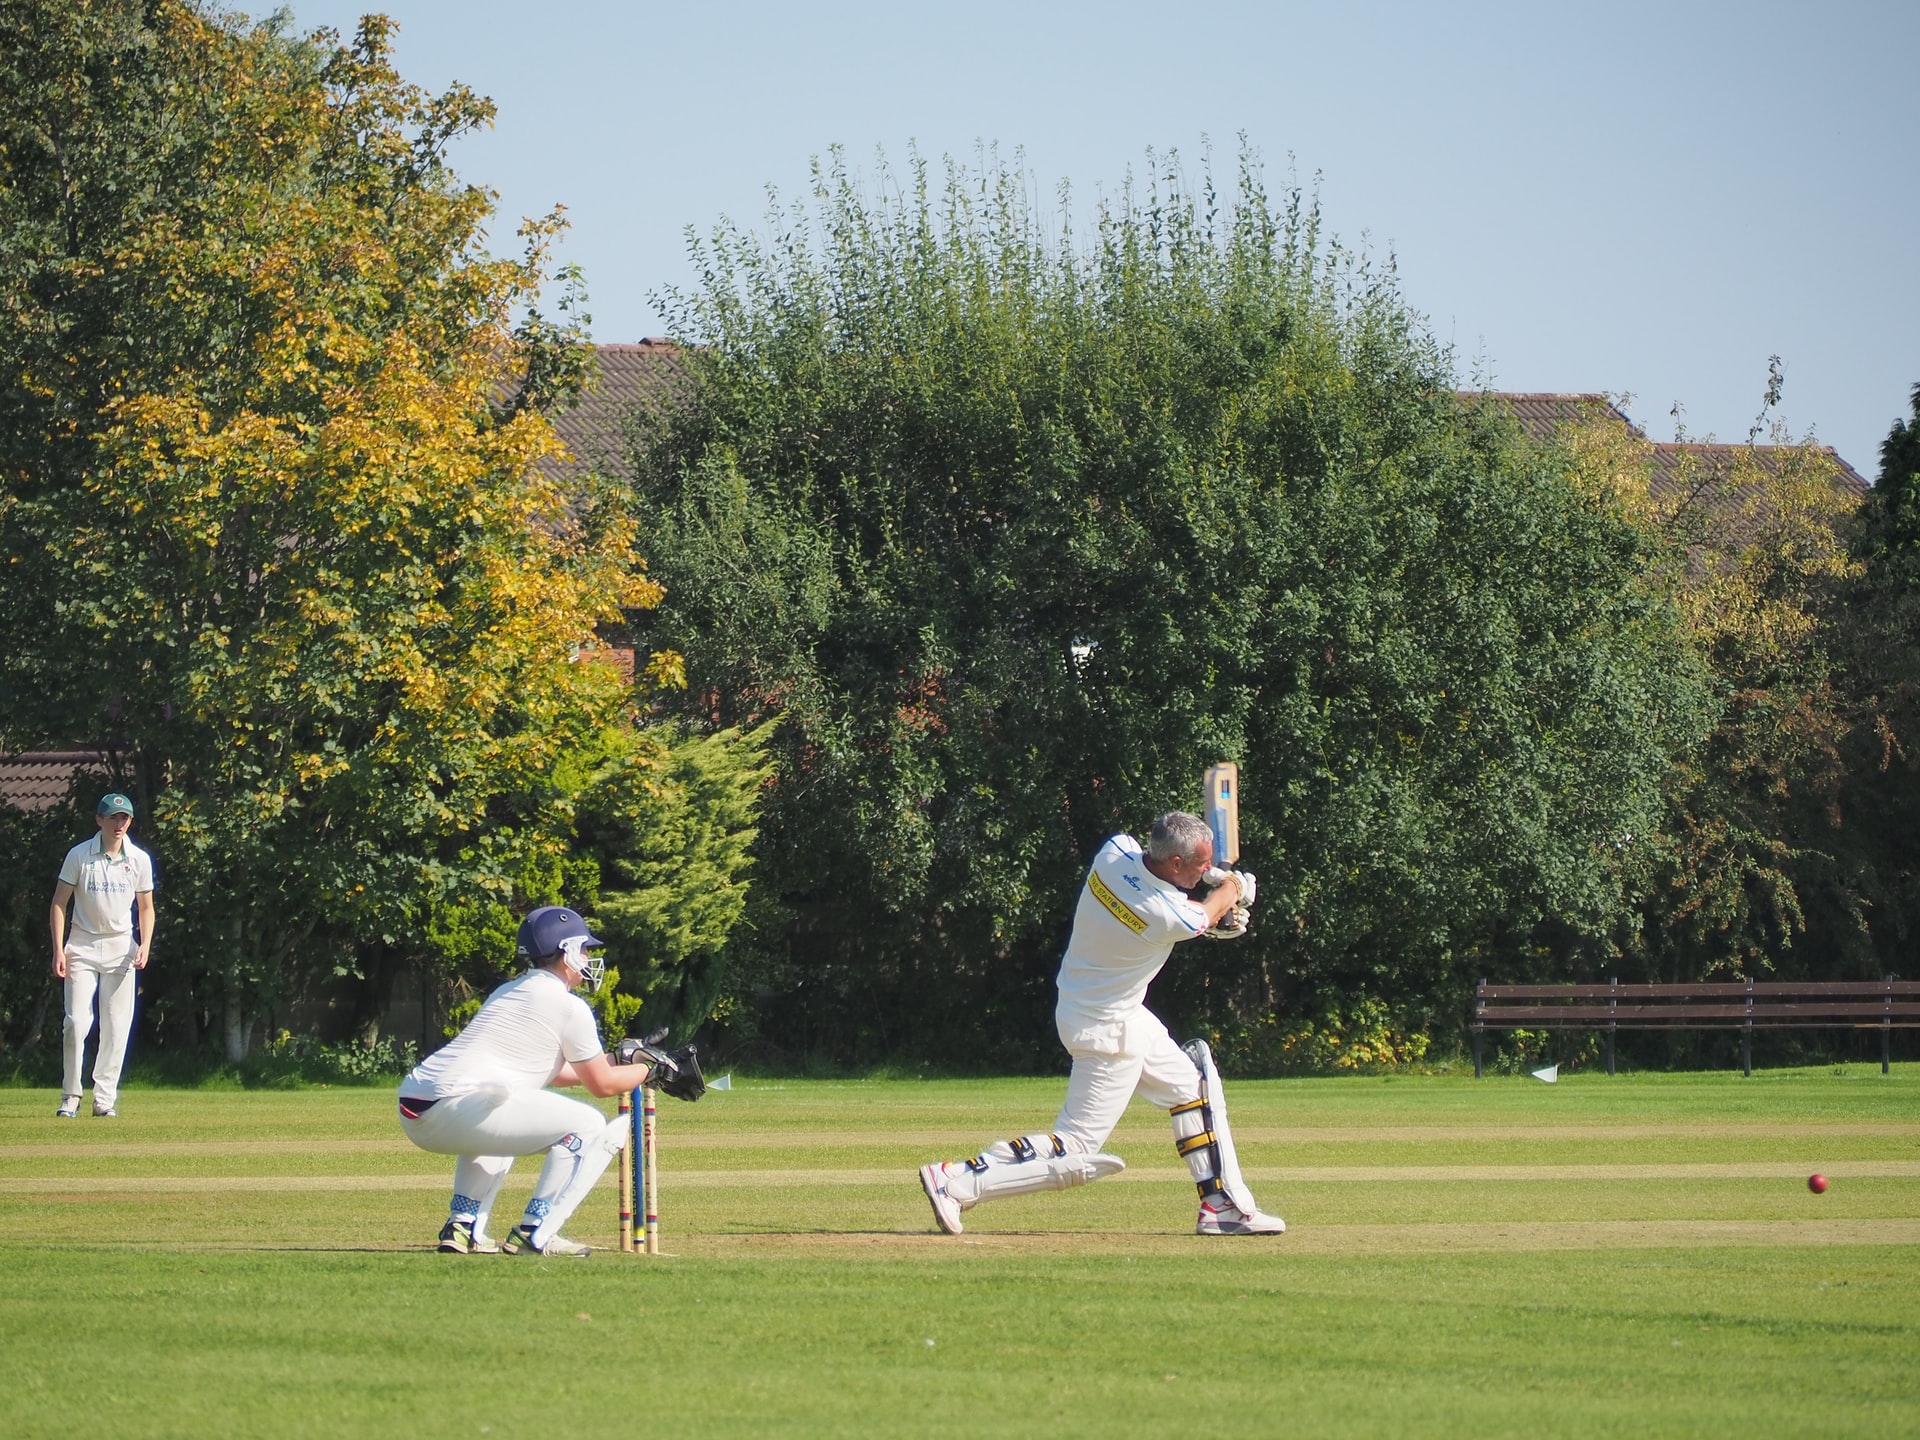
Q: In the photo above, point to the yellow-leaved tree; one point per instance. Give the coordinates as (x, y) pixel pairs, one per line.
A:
(276, 529)
(1755, 540)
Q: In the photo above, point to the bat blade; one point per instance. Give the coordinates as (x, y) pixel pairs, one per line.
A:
(1222, 785)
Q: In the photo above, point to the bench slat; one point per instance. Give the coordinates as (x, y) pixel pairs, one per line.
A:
(1855, 989)
(1681, 1022)
(1565, 1018)
(1898, 1010)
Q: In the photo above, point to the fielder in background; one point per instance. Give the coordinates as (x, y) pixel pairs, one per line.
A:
(107, 878)
(484, 1097)
(1133, 910)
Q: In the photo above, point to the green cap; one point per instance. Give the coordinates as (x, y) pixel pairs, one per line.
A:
(113, 803)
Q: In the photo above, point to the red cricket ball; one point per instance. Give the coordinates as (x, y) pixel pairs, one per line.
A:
(1817, 1183)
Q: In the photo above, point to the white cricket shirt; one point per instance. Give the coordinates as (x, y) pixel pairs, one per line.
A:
(1124, 928)
(520, 1038)
(104, 887)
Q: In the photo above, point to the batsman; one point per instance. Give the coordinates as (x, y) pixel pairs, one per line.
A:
(1133, 909)
(484, 1097)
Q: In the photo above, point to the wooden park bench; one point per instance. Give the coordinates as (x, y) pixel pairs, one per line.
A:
(1714, 1005)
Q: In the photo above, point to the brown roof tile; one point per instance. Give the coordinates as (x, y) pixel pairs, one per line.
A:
(41, 779)
(1540, 413)
(1680, 470)
(634, 383)
(1672, 460)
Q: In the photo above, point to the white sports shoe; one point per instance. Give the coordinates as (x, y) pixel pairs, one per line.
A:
(1228, 1219)
(946, 1209)
(69, 1107)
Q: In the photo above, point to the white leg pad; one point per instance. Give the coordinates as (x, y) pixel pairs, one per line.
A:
(1025, 1167)
(1212, 1159)
(572, 1169)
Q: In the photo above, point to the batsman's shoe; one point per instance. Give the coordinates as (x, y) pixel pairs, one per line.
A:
(1226, 1218)
(457, 1238)
(946, 1209)
(519, 1241)
(69, 1107)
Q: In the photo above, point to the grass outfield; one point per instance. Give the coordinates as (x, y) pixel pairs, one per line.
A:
(1631, 1257)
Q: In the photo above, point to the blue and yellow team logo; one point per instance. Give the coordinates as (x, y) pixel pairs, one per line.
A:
(1115, 905)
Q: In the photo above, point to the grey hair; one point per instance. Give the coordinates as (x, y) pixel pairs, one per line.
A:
(1177, 834)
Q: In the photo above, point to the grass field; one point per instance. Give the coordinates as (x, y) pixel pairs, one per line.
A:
(1631, 1257)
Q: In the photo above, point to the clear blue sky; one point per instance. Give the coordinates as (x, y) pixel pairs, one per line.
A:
(1641, 198)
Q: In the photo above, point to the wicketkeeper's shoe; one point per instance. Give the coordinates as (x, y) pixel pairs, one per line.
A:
(69, 1107)
(457, 1238)
(1226, 1218)
(946, 1209)
(519, 1241)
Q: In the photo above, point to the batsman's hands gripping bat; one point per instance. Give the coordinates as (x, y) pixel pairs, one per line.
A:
(1234, 923)
(1243, 878)
(675, 1072)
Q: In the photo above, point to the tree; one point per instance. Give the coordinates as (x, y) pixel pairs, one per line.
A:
(669, 819)
(1017, 537)
(1898, 493)
(1754, 543)
(275, 524)
(1879, 648)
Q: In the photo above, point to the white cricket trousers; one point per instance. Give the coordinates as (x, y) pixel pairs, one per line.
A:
(110, 984)
(490, 1127)
(1111, 1064)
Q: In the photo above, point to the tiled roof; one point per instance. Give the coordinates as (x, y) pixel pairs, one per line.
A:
(40, 779)
(1670, 461)
(1678, 468)
(634, 383)
(1542, 413)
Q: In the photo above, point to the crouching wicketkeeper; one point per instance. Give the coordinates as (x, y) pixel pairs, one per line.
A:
(484, 1096)
(1133, 910)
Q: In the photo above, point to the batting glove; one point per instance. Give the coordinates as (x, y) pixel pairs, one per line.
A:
(1232, 925)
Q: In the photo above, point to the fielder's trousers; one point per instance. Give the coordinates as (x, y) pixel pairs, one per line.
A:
(110, 985)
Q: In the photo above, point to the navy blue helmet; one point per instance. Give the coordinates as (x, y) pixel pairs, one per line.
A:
(555, 930)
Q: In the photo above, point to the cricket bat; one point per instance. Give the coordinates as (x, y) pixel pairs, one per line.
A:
(1222, 785)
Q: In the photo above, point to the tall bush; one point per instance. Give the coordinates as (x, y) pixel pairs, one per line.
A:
(1017, 530)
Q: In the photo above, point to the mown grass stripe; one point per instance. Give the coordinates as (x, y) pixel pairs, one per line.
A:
(936, 1141)
(796, 1179)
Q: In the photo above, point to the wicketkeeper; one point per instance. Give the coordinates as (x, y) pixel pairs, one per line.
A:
(1133, 910)
(484, 1096)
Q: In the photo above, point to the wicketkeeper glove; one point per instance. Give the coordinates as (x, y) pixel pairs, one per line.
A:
(648, 1050)
(675, 1072)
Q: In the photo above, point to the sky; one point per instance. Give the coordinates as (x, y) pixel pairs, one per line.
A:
(1645, 199)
